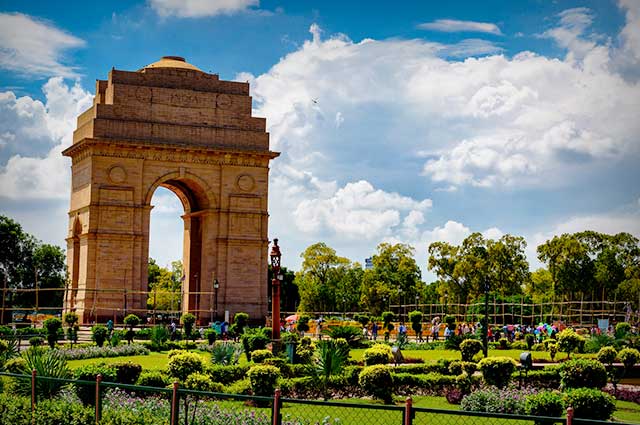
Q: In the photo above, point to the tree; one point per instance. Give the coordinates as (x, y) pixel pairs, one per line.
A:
(24, 261)
(465, 270)
(164, 286)
(395, 276)
(590, 263)
(320, 281)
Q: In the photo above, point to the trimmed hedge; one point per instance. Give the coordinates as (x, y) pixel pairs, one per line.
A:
(377, 381)
(589, 403)
(378, 354)
(583, 373)
(497, 370)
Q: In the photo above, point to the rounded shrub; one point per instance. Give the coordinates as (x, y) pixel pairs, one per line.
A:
(469, 348)
(377, 354)
(17, 365)
(545, 403)
(497, 370)
(622, 329)
(377, 381)
(503, 344)
(259, 356)
(36, 341)
(629, 357)
(607, 355)
(188, 320)
(184, 364)
(569, 341)
(99, 334)
(583, 373)
(127, 372)
(263, 379)
(589, 403)
(458, 367)
(89, 372)
(152, 378)
(211, 336)
(202, 382)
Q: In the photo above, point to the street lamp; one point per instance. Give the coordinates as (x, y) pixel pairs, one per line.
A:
(276, 256)
(485, 326)
(216, 286)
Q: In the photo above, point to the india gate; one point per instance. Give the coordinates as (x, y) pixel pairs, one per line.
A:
(168, 124)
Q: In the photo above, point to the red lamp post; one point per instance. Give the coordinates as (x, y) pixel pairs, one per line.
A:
(275, 295)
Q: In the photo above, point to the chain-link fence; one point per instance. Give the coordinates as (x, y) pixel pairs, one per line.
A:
(115, 403)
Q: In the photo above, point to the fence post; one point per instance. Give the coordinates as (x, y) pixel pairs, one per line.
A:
(175, 404)
(98, 398)
(276, 418)
(33, 393)
(569, 415)
(408, 413)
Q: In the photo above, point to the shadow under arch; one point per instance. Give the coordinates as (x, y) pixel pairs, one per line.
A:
(197, 199)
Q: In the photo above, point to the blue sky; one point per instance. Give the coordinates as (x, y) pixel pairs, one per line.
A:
(433, 119)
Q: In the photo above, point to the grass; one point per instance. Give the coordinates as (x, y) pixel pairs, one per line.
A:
(435, 355)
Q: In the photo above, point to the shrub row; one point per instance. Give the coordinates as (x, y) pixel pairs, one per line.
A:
(93, 352)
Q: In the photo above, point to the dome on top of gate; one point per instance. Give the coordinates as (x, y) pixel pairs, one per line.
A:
(173, 62)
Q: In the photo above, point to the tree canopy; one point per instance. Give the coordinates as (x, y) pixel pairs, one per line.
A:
(25, 262)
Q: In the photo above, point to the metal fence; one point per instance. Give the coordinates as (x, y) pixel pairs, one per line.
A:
(182, 406)
(576, 312)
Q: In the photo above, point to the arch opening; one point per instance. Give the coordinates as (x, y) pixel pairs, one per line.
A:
(170, 238)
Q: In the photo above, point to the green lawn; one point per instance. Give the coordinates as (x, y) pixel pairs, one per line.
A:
(626, 412)
(435, 355)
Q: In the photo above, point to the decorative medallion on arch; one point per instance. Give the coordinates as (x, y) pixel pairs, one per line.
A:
(171, 125)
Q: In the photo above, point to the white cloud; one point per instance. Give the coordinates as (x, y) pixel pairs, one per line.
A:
(41, 176)
(32, 46)
(452, 232)
(200, 8)
(357, 210)
(452, 25)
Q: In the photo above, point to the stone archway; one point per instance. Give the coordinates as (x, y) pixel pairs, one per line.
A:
(171, 125)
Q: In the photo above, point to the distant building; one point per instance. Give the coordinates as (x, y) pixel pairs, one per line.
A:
(368, 263)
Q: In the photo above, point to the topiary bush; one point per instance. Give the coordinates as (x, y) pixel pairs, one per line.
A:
(377, 381)
(259, 356)
(545, 403)
(622, 329)
(378, 354)
(530, 339)
(579, 373)
(184, 364)
(469, 348)
(503, 344)
(629, 357)
(211, 336)
(89, 372)
(127, 372)
(607, 355)
(52, 325)
(497, 370)
(35, 341)
(152, 378)
(99, 334)
(303, 324)
(188, 320)
(589, 403)
(131, 321)
(240, 319)
(202, 382)
(569, 341)
(263, 379)
(458, 367)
